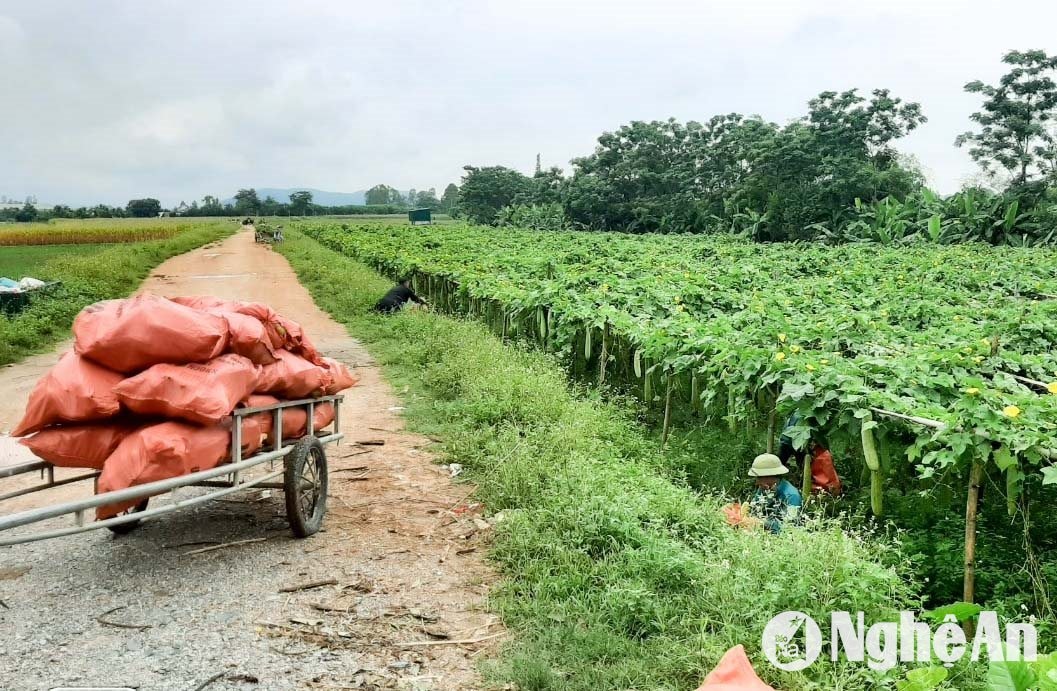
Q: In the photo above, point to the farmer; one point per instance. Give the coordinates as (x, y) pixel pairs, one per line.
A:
(775, 500)
(786, 452)
(397, 297)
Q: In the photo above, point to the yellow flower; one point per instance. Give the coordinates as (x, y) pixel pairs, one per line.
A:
(794, 349)
(978, 359)
(986, 342)
(957, 317)
(686, 275)
(1052, 387)
(779, 356)
(810, 368)
(781, 338)
(678, 299)
(679, 308)
(823, 361)
(1011, 411)
(605, 288)
(972, 391)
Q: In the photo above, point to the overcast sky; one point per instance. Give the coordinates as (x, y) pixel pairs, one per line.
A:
(105, 101)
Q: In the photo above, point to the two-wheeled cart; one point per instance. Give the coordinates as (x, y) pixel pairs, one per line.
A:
(296, 466)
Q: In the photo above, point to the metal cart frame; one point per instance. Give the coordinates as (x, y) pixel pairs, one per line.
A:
(302, 477)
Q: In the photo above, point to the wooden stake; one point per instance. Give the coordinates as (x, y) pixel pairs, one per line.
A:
(603, 357)
(771, 424)
(667, 412)
(806, 485)
(969, 585)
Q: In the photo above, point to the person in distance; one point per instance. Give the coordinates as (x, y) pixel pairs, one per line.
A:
(398, 296)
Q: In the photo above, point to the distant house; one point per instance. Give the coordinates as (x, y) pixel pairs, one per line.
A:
(164, 214)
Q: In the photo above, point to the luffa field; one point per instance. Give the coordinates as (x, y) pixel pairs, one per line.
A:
(931, 362)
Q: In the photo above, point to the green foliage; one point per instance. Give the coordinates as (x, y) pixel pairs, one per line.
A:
(923, 679)
(90, 277)
(143, 208)
(247, 202)
(484, 191)
(615, 577)
(1015, 123)
(300, 202)
(771, 182)
(534, 217)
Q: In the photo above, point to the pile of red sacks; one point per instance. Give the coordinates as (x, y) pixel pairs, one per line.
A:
(148, 391)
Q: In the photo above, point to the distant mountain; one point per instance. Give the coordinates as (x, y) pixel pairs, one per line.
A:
(318, 196)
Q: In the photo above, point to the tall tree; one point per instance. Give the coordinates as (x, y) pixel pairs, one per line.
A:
(300, 202)
(379, 195)
(1015, 131)
(450, 199)
(143, 208)
(427, 199)
(484, 191)
(247, 202)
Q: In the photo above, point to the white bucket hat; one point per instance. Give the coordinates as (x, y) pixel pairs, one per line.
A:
(766, 465)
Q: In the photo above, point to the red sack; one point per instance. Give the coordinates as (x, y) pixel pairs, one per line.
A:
(296, 340)
(78, 446)
(75, 390)
(295, 421)
(265, 420)
(247, 332)
(159, 452)
(247, 337)
(734, 673)
(824, 476)
(291, 377)
(339, 379)
(199, 392)
(252, 437)
(131, 335)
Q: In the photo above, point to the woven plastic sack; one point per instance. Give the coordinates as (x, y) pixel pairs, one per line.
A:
(248, 332)
(339, 377)
(134, 334)
(160, 452)
(75, 390)
(734, 673)
(199, 392)
(78, 446)
(292, 377)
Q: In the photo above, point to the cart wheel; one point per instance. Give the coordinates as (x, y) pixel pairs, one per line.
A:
(305, 486)
(126, 528)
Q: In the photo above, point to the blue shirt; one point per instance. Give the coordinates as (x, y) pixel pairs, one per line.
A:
(774, 508)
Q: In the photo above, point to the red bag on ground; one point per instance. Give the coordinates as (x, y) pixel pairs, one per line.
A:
(160, 452)
(340, 378)
(734, 673)
(75, 390)
(199, 392)
(291, 377)
(824, 476)
(131, 335)
(78, 446)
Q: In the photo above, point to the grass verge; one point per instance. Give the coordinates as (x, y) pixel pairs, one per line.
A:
(616, 576)
(89, 277)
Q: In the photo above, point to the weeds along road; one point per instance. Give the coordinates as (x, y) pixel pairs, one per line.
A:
(151, 610)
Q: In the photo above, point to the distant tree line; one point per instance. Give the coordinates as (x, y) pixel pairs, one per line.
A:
(381, 200)
(832, 174)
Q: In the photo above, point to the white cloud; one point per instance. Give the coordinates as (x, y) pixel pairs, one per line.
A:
(110, 100)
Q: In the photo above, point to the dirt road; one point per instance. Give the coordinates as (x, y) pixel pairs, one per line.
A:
(152, 611)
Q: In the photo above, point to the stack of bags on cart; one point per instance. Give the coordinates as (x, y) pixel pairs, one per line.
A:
(148, 391)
